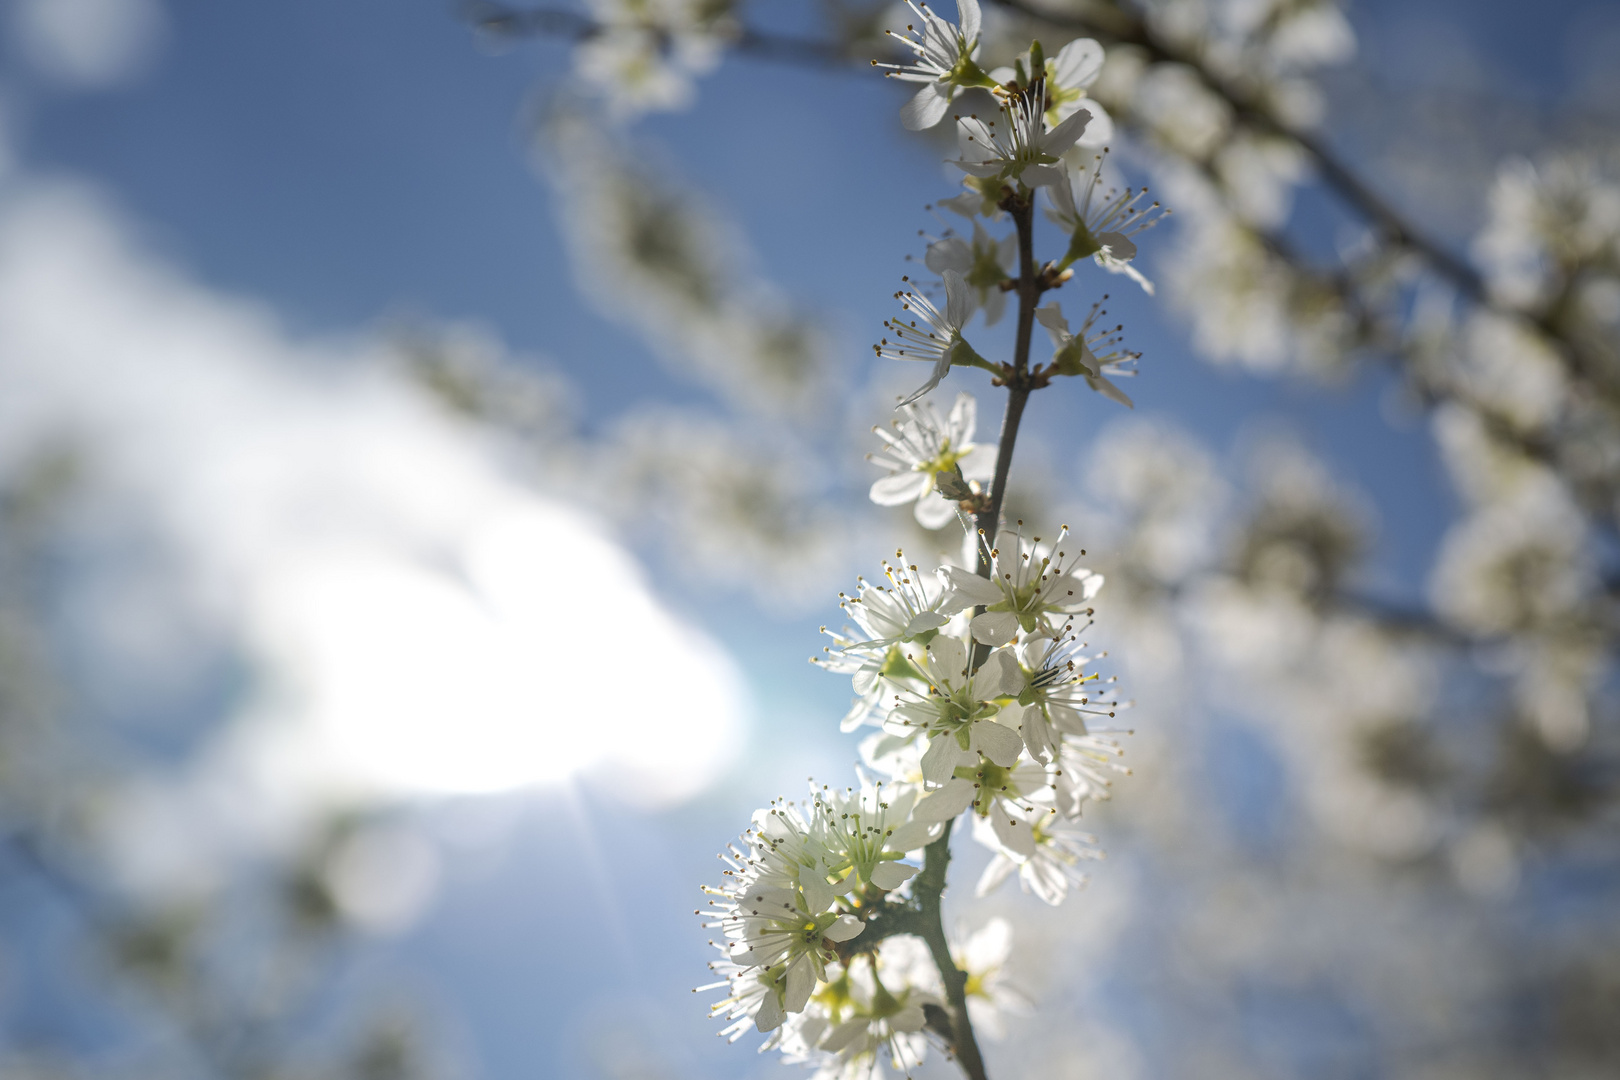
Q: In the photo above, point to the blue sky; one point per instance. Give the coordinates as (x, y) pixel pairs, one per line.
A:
(345, 161)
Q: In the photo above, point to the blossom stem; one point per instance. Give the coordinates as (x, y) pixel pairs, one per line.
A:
(929, 890)
(988, 520)
(930, 887)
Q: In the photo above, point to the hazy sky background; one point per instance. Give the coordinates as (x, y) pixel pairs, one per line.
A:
(339, 163)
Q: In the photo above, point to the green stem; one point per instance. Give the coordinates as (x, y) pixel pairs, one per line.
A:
(929, 891)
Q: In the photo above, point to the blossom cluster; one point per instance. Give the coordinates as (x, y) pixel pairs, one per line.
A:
(1021, 741)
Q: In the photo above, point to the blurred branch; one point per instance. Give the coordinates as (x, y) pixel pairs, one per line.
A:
(506, 20)
(1113, 24)
(1116, 25)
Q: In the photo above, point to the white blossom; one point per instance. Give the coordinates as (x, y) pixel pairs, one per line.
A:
(908, 607)
(944, 62)
(983, 958)
(787, 931)
(869, 1011)
(957, 715)
(1068, 76)
(983, 263)
(1058, 693)
(980, 197)
(1003, 795)
(939, 341)
(753, 999)
(870, 828)
(888, 616)
(1023, 151)
(1047, 856)
(1100, 226)
(921, 447)
(1086, 766)
(1031, 588)
(648, 51)
(1078, 354)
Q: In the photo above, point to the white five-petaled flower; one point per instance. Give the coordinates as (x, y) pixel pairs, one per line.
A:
(983, 958)
(944, 62)
(867, 666)
(1069, 75)
(1047, 856)
(1101, 226)
(1084, 764)
(796, 854)
(1058, 693)
(920, 448)
(770, 928)
(981, 197)
(983, 264)
(1001, 794)
(957, 714)
(1030, 588)
(939, 340)
(871, 829)
(906, 608)
(1092, 354)
(869, 1005)
(1024, 151)
(753, 999)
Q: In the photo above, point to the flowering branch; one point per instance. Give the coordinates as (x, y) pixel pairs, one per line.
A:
(835, 947)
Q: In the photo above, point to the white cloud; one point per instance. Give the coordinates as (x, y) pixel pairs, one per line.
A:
(422, 623)
(89, 44)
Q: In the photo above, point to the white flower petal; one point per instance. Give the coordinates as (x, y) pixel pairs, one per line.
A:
(925, 620)
(994, 627)
(967, 13)
(940, 760)
(1065, 134)
(1100, 131)
(934, 511)
(913, 834)
(1051, 317)
(800, 983)
(994, 874)
(909, 1018)
(1119, 246)
(951, 253)
(970, 588)
(946, 803)
(964, 417)
(1078, 63)
(845, 1033)
(771, 1014)
(1107, 389)
(818, 895)
(891, 875)
(1042, 176)
(1016, 836)
(901, 488)
(949, 655)
(927, 107)
(958, 299)
(999, 676)
(999, 743)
